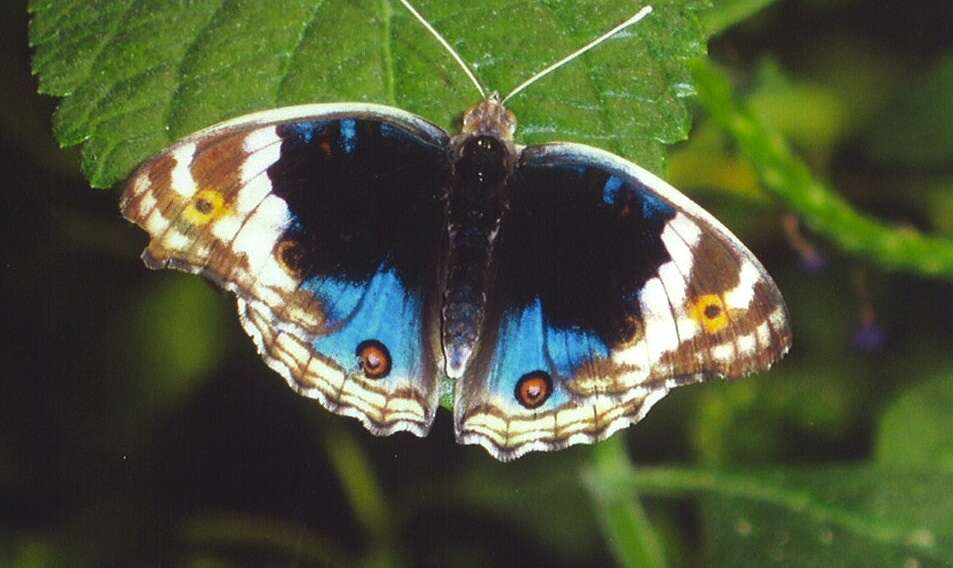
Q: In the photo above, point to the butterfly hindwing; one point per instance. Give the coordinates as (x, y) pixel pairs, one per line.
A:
(611, 289)
(326, 221)
(382, 320)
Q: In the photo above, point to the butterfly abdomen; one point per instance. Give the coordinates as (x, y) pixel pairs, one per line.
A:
(476, 206)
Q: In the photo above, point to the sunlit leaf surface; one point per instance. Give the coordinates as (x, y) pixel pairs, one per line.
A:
(136, 75)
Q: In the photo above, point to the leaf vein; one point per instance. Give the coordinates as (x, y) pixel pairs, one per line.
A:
(387, 56)
(295, 49)
(108, 38)
(173, 112)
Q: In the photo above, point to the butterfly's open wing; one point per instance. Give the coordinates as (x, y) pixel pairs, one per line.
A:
(611, 289)
(327, 222)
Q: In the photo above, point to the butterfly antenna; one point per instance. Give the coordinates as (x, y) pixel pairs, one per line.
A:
(631, 21)
(443, 42)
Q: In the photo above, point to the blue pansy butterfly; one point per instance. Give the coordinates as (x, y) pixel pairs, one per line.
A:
(553, 292)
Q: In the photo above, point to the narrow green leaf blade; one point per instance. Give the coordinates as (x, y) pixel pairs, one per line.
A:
(727, 13)
(625, 525)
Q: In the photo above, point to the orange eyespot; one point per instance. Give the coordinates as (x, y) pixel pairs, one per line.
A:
(709, 311)
(374, 359)
(206, 206)
(533, 389)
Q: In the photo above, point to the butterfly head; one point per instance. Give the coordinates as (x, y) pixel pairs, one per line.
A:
(489, 118)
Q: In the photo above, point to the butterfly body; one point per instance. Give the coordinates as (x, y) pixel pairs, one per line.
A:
(483, 157)
(557, 291)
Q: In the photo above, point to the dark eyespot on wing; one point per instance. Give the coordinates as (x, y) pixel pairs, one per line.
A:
(533, 389)
(374, 358)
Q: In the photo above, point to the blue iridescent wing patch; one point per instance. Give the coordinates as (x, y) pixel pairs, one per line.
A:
(373, 365)
(325, 221)
(611, 289)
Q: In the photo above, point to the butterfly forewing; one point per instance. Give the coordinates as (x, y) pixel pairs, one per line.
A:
(326, 221)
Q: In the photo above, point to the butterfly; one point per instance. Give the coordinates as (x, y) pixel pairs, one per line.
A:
(552, 292)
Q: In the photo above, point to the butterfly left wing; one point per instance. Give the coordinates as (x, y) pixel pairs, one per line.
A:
(611, 289)
(325, 220)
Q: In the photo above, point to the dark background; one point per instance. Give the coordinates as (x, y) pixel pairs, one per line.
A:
(138, 426)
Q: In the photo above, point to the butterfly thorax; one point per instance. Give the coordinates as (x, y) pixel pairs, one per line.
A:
(483, 158)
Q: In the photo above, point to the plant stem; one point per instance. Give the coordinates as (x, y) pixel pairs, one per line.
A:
(788, 177)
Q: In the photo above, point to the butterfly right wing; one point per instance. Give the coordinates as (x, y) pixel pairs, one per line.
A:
(327, 222)
(612, 288)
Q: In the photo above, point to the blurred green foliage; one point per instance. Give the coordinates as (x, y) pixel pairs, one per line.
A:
(914, 431)
(914, 130)
(140, 428)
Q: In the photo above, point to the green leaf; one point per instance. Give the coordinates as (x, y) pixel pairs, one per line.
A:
(915, 128)
(763, 418)
(916, 431)
(136, 75)
(823, 516)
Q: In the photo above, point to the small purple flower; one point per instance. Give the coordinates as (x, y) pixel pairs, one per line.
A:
(869, 336)
(811, 261)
